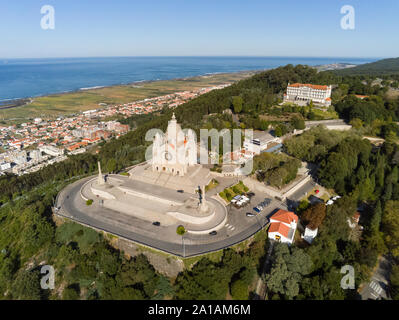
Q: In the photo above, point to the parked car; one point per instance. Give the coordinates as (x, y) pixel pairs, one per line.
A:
(240, 203)
(213, 233)
(257, 209)
(250, 194)
(249, 214)
(180, 191)
(156, 223)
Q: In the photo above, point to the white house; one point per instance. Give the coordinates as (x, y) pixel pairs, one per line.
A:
(354, 221)
(260, 142)
(309, 235)
(283, 225)
(5, 166)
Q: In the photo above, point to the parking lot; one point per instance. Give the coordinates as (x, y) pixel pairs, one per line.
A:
(238, 220)
(239, 214)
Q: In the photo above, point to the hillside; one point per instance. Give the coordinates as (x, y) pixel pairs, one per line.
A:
(380, 67)
(88, 267)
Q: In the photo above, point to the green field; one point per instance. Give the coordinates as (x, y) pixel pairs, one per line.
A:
(51, 106)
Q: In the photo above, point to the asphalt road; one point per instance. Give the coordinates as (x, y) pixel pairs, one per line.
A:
(302, 191)
(237, 229)
(377, 288)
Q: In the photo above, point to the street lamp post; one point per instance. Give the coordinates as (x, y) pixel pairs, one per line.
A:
(184, 248)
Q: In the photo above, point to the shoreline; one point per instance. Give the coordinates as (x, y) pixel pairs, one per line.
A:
(12, 103)
(56, 104)
(7, 103)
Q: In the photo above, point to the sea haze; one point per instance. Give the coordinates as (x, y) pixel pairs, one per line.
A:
(22, 78)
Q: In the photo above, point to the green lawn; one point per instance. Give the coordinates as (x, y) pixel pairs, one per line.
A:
(212, 185)
(229, 193)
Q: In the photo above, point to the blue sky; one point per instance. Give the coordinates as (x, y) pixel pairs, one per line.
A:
(86, 28)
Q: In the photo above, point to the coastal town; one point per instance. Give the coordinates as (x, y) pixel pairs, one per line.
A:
(30, 146)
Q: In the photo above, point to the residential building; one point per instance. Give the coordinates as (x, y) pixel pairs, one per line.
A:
(50, 150)
(283, 225)
(354, 221)
(5, 166)
(309, 235)
(260, 141)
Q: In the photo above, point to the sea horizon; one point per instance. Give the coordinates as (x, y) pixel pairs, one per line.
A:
(22, 78)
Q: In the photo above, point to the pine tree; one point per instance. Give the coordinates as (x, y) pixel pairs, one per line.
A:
(376, 218)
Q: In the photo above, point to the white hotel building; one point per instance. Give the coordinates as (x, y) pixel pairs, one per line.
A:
(301, 94)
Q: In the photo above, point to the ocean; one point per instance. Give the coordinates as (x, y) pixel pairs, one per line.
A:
(23, 78)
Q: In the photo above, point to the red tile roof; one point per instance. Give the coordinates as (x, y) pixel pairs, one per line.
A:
(279, 227)
(313, 86)
(285, 216)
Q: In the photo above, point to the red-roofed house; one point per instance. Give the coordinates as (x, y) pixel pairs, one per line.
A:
(359, 96)
(282, 226)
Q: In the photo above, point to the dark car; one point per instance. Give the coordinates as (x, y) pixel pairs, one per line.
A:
(213, 233)
(156, 223)
(266, 202)
(180, 191)
(250, 194)
(256, 209)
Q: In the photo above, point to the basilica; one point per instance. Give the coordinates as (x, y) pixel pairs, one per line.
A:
(168, 189)
(175, 151)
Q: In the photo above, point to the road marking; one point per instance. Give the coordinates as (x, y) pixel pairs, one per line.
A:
(376, 287)
(376, 297)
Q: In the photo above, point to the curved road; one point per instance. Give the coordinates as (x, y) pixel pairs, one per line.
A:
(69, 204)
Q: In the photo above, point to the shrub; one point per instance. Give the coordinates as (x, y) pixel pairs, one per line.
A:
(71, 293)
(89, 202)
(229, 196)
(236, 190)
(239, 290)
(180, 230)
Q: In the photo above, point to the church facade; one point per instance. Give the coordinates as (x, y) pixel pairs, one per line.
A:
(175, 151)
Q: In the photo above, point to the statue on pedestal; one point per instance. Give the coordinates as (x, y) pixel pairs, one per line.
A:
(101, 179)
(203, 204)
